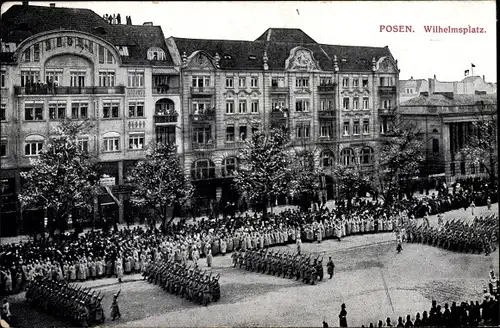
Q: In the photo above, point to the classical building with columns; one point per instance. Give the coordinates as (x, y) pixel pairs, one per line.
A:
(71, 63)
(445, 121)
(332, 99)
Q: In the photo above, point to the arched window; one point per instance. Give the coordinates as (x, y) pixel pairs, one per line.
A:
(229, 165)
(347, 155)
(111, 142)
(366, 156)
(203, 169)
(165, 106)
(327, 158)
(33, 144)
(155, 53)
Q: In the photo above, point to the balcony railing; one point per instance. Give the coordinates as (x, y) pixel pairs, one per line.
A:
(206, 117)
(61, 90)
(328, 88)
(326, 114)
(165, 89)
(386, 90)
(386, 111)
(165, 118)
(276, 89)
(279, 115)
(202, 90)
(206, 146)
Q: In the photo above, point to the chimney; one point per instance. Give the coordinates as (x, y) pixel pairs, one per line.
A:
(25, 3)
(484, 79)
(148, 24)
(411, 78)
(52, 5)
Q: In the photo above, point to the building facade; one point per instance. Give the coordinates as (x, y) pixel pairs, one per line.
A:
(71, 63)
(446, 122)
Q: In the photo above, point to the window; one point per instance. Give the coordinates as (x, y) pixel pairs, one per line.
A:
(346, 128)
(3, 112)
(366, 156)
(229, 165)
(355, 127)
(3, 148)
(462, 168)
(366, 126)
(57, 110)
(242, 82)
(107, 78)
(242, 105)
(202, 135)
(386, 104)
(36, 52)
(203, 169)
(111, 142)
(156, 53)
(111, 108)
(201, 106)
(452, 169)
(163, 107)
(386, 81)
(302, 82)
(110, 58)
(3, 79)
(365, 83)
(326, 104)
(345, 103)
(136, 141)
(79, 109)
(254, 82)
(165, 134)
(229, 82)
(347, 155)
(254, 106)
(355, 83)
(325, 81)
(59, 42)
(91, 46)
(33, 111)
(83, 143)
(278, 105)
(355, 103)
(101, 54)
(365, 103)
(229, 107)
(242, 132)
(136, 79)
(302, 130)
(53, 76)
(302, 105)
(29, 77)
(345, 82)
(230, 133)
(201, 81)
(326, 130)
(327, 158)
(136, 108)
(278, 82)
(77, 78)
(383, 125)
(435, 145)
(33, 145)
(472, 168)
(27, 55)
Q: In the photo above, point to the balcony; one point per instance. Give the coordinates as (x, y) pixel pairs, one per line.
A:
(324, 139)
(327, 88)
(387, 90)
(165, 89)
(203, 118)
(60, 90)
(279, 90)
(165, 118)
(326, 114)
(205, 146)
(279, 116)
(203, 91)
(386, 111)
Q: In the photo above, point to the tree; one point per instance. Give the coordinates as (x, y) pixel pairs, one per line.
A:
(350, 181)
(159, 182)
(306, 178)
(264, 172)
(63, 177)
(481, 146)
(400, 158)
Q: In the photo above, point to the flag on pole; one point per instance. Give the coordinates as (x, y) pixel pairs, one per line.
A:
(472, 65)
(466, 72)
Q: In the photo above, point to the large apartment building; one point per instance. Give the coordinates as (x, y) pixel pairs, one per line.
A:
(71, 63)
(207, 96)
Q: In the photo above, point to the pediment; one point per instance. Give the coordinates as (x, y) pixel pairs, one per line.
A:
(386, 65)
(301, 59)
(200, 61)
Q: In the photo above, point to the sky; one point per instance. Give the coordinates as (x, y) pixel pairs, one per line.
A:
(420, 54)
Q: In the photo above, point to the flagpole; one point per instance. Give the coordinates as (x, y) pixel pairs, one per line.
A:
(471, 70)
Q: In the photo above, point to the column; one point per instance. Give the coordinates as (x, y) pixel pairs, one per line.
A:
(447, 149)
(120, 196)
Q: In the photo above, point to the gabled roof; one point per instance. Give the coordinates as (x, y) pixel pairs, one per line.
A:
(442, 100)
(294, 35)
(20, 22)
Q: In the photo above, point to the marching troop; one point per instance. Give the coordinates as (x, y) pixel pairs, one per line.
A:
(80, 305)
(184, 281)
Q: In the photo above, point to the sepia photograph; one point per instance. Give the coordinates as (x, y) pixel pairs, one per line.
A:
(249, 164)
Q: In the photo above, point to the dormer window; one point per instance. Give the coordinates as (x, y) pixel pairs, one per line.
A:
(252, 57)
(123, 50)
(228, 57)
(155, 53)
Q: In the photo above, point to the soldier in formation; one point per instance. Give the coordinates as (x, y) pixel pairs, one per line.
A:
(456, 235)
(82, 306)
(286, 265)
(184, 281)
